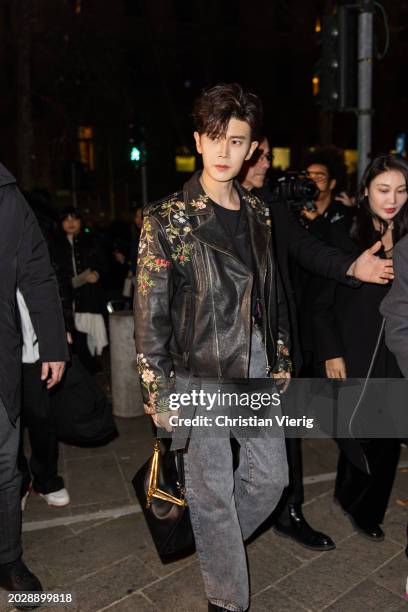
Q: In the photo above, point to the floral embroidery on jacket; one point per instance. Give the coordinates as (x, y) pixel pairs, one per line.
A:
(259, 206)
(151, 383)
(284, 362)
(177, 228)
(147, 262)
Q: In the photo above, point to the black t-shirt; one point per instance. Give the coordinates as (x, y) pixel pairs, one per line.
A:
(235, 225)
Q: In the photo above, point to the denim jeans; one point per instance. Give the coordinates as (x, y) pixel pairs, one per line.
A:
(226, 507)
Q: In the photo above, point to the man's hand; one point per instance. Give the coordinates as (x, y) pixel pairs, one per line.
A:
(345, 199)
(70, 340)
(92, 277)
(56, 368)
(335, 368)
(311, 215)
(120, 257)
(162, 419)
(282, 379)
(371, 269)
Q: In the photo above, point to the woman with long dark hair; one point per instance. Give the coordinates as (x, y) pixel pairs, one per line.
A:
(80, 258)
(347, 326)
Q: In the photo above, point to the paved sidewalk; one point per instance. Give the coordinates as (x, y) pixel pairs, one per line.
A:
(99, 547)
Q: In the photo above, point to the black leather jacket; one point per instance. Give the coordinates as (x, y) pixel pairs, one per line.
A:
(193, 295)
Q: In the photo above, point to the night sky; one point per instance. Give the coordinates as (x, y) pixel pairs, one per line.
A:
(119, 63)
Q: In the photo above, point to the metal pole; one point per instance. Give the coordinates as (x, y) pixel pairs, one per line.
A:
(112, 203)
(73, 183)
(365, 70)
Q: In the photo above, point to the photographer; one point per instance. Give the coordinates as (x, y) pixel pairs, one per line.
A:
(323, 167)
(295, 242)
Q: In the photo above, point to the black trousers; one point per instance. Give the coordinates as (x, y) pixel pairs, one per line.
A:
(36, 416)
(365, 496)
(294, 492)
(10, 479)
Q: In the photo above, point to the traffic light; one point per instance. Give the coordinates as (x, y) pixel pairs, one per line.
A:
(137, 153)
(335, 75)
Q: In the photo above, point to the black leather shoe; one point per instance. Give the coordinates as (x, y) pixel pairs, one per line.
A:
(372, 532)
(17, 577)
(213, 608)
(301, 532)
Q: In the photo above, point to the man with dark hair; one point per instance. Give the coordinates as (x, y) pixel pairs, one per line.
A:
(209, 304)
(294, 242)
(322, 167)
(24, 265)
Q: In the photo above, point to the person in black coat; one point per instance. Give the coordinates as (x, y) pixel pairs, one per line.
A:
(24, 263)
(349, 342)
(79, 257)
(292, 241)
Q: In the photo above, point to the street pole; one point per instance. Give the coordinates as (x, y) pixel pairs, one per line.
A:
(143, 174)
(365, 77)
(112, 203)
(73, 184)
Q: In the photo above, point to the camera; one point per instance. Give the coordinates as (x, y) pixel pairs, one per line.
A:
(297, 190)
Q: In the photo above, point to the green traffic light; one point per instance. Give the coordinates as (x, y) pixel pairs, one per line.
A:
(135, 154)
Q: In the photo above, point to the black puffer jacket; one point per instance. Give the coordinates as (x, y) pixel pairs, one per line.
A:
(193, 295)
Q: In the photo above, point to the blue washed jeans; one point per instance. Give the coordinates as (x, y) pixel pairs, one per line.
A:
(226, 507)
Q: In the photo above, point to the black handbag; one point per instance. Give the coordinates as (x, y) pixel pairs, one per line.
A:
(80, 409)
(159, 487)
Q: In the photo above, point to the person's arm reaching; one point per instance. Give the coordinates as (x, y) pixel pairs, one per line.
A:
(320, 258)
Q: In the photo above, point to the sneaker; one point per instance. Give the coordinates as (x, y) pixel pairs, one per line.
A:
(17, 577)
(58, 499)
(25, 497)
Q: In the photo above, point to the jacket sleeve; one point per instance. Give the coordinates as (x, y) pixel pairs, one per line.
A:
(327, 340)
(283, 360)
(394, 308)
(36, 281)
(153, 325)
(318, 257)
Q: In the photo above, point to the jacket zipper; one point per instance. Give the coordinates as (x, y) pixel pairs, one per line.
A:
(188, 310)
(217, 348)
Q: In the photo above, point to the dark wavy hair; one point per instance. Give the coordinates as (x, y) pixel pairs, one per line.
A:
(70, 211)
(217, 105)
(363, 231)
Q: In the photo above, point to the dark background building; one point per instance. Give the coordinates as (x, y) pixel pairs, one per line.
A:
(83, 81)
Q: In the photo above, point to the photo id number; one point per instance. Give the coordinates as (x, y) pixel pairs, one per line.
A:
(37, 597)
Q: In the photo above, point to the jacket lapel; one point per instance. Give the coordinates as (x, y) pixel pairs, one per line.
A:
(211, 233)
(200, 211)
(207, 228)
(259, 229)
